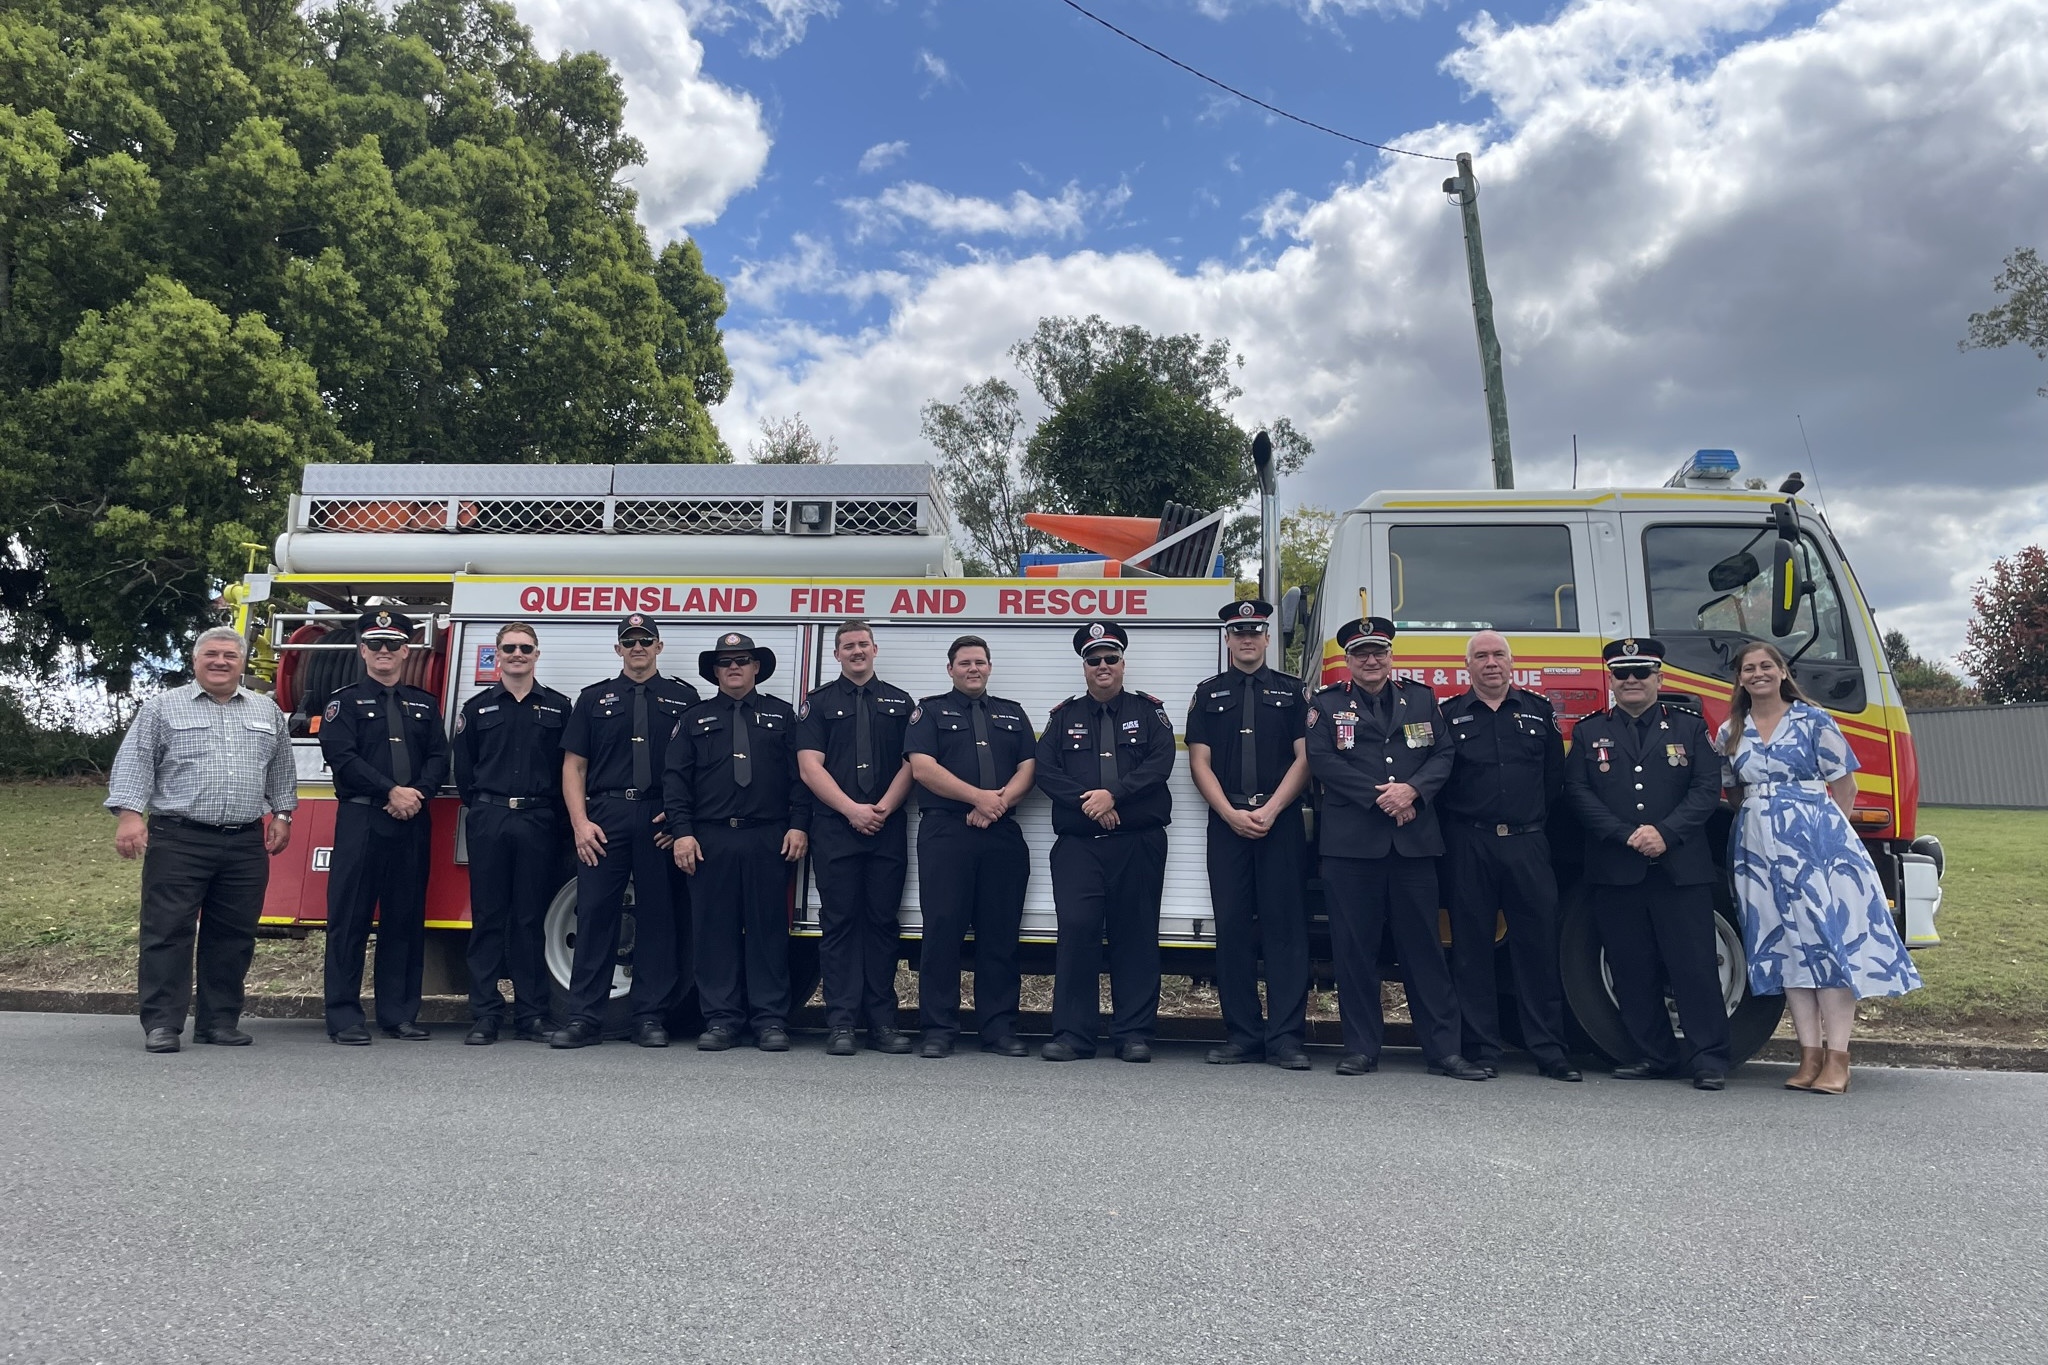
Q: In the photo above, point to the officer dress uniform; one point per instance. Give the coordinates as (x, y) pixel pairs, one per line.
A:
(1107, 880)
(970, 878)
(858, 729)
(1251, 721)
(1656, 916)
(621, 729)
(375, 739)
(1508, 769)
(732, 782)
(1378, 874)
(508, 768)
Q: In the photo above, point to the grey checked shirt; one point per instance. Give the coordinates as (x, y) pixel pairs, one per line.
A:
(221, 763)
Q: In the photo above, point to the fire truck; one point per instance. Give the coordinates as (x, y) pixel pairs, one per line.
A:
(785, 552)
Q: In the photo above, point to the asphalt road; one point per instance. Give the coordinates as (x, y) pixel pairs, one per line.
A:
(299, 1202)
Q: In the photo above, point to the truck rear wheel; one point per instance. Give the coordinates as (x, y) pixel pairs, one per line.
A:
(559, 947)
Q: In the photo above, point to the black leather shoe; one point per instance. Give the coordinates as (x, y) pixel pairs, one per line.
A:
(1641, 1071)
(840, 1044)
(1559, 1071)
(888, 1040)
(716, 1039)
(1009, 1045)
(1290, 1059)
(1458, 1069)
(227, 1035)
(1057, 1051)
(407, 1032)
(1137, 1050)
(482, 1035)
(650, 1033)
(1230, 1054)
(355, 1035)
(1357, 1064)
(1710, 1080)
(535, 1031)
(1492, 1069)
(577, 1033)
(772, 1039)
(161, 1040)
(936, 1047)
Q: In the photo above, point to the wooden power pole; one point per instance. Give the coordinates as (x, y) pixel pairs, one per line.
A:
(1467, 190)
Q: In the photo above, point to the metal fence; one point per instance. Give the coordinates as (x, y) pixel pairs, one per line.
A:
(1983, 755)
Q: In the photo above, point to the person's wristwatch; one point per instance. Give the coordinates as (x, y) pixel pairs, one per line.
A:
(283, 815)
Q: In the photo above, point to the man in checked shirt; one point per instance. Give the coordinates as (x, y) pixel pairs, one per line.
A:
(190, 786)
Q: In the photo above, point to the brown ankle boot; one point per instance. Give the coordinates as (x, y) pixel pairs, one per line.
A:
(1834, 1074)
(1809, 1069)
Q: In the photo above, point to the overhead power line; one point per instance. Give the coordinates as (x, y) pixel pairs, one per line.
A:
(1249, 99)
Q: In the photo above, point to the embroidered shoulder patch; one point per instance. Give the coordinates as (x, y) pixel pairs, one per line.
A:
(915, 713)
(1313, 715)
(333, 710)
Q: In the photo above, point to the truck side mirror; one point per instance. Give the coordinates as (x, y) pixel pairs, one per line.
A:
(1290, 616)
(1788, 585)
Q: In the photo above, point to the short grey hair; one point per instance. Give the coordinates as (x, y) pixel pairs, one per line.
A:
(221, 633)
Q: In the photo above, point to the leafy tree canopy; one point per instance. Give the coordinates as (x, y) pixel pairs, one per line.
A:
(237, 235)
(2023, 317)
(790, 440)
(2006, 646)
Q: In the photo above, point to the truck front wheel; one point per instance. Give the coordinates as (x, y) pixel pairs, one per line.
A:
(559, 947)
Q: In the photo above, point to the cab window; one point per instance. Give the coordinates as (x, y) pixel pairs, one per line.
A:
(1717, 579)
(1507, 578)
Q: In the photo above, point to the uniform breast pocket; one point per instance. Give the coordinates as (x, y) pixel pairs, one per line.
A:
(188, 738)
(1012, 725)
(947, 723)
(487, 721)
(770, 722)
(549, 719)
(1077, 742)
(891, 706)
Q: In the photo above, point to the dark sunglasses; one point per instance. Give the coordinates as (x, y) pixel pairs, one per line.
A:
(637, 641)
(384, 646)
(1104, 657)
(518, 649)
(1633, 672)
(732, 660)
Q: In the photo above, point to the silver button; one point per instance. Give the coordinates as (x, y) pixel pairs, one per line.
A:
(1639, 805)
(1639, 767)
(1639, 786)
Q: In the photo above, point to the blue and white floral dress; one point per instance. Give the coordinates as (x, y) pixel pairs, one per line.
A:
(1813, 910)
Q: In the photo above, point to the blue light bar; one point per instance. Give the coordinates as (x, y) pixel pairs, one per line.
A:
(1713, 464)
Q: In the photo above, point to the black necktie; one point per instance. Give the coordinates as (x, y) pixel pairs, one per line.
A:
(742, 748)
(863, 743)
(985, 757)
(643, 757)
(401, 756)
(1105, 742)
(1247, 738)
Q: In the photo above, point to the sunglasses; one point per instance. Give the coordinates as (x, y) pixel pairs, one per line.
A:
(383, 646)
(637, 641)
(733, 660)
(518, 649)
(1104, 657)
(1633, 672)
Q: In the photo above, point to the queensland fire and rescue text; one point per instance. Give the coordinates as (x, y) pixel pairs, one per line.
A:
(674, 599)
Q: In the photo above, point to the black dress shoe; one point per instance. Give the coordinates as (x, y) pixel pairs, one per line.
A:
(840, 1044)
(577, 1033)
(1009, 1045)
(1458, 1069)
(650, 1033)
(1710, 1080)
(1357, 1064)
(407, 1032)
(1057, 1051)
(160, 1040)
(772, 1039)
(1137, 1050)
(717, 1039)
(1492, 1069)
(936, 1047)
(227, 1035)
(1641, 1071)
(535, 1031)
(482, 1035)
(1290, 1059)
(1230, 1054)
(1559, 1071)
(888, 1040)
(355, 1035)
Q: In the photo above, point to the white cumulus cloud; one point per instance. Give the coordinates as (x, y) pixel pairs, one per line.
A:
(880, 155)
(1021, 215)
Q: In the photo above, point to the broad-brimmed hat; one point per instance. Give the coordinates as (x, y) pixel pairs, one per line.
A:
(732, 642)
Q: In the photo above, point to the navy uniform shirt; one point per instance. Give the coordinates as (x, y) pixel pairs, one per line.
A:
(1070, 762)
(1660, 769)
(1509, 759)
(509, 747)
(1356, 742)
(828, 723)
(600, 729)
(942, 727)
(698, 786)
(355, 739)
(1216, 716)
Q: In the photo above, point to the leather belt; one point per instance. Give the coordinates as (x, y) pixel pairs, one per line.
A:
(184, 823)
(1503, 831)
(513, 802)
(739, 822)
(1252, 802)
(631, 793)
(364, 800)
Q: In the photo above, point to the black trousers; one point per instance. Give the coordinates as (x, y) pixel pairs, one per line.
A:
(513, 857)
(1107, 886)
(739, 914)
(860, 887)
(206, 886)
(1488, 875)
(1654, 930)
(379, 865)
(1255, 886)
(630, 855)
(970, 879)
(1367, 898)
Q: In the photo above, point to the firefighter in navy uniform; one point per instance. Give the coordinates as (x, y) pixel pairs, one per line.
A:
(612, 755)
(1103, 760)
(383, 741)
(1508, 769)
(849, 742)
(1379, 746)
(508, 768)
(972, 753)
(1644, 779)
(741, 816)
(1246, 753)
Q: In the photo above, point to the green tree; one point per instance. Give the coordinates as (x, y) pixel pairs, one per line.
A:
(982, 466)
(1922, 683)
(790, 440)
(2023, 317)
(236, 235)
(2006, 645)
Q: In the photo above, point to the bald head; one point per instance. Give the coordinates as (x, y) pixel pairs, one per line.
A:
(1492, 665)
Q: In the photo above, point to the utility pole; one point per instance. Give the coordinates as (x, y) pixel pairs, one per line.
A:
(1467, 190)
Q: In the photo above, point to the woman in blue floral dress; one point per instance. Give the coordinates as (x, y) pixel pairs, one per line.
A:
(1814, 917)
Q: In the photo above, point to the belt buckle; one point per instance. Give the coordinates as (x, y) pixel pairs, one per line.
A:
(631, 793)
(1501, 831)
(1256, 799)
(733, 822)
